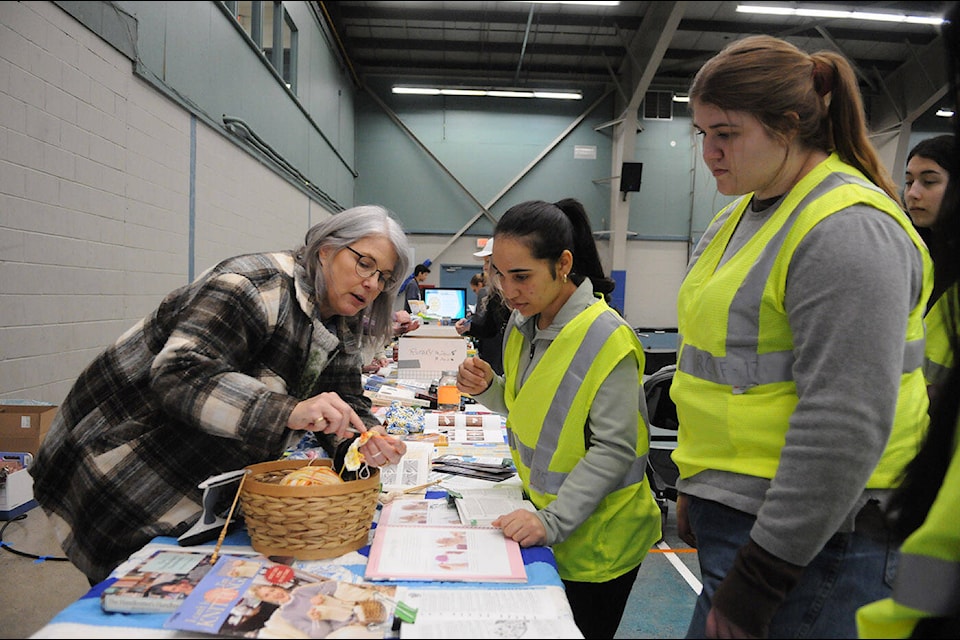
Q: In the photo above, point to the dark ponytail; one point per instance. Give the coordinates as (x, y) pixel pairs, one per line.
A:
(549, 229)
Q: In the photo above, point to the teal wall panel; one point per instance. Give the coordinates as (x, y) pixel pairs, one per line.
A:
(197, 54)
(485, 144)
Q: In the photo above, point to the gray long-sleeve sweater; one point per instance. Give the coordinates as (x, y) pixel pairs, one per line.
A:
(851, 285)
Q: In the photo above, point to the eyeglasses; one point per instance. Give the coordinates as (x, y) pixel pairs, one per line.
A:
(367, 266)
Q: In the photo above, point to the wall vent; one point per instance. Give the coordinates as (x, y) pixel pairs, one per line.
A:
(658, 105)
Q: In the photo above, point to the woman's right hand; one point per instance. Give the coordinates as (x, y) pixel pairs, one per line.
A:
(474, 376)
(462, 326)
(327, 413)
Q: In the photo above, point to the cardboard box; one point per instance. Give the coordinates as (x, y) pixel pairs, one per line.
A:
(16, 495)
(23, 425)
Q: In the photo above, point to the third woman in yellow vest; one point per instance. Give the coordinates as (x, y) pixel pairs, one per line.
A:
(925, 602)
(571, 394)
(799, 385)
(926, 178)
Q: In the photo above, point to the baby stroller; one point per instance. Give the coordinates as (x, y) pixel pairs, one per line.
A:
(661, 471)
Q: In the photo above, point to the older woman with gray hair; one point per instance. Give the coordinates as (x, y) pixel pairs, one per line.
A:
(227, 371)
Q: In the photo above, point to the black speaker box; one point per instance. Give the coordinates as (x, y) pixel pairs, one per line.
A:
(630, 176)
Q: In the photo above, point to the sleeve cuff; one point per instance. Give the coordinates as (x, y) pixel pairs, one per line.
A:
(755, 587)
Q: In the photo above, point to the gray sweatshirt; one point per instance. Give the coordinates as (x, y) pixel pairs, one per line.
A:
(612, 421)
(852, 283)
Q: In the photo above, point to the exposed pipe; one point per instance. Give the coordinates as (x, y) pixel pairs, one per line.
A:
(523, 48)
(340, 45)
(235, 125)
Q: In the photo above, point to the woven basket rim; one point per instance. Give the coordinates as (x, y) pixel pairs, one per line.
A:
(270, 489)
(308, 522)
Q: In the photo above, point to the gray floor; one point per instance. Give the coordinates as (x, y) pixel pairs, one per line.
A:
(666, 588)
(32, 592)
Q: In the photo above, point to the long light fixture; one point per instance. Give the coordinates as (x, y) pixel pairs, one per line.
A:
(601, 3)
(833, 13)
(945, 112)
(489, 91)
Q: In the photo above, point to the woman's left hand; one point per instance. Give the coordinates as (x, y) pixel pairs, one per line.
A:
(382, 450)
(523, 526)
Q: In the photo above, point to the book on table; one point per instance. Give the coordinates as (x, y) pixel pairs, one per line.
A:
(418, 550)
(253, 596)
(503, 612)
(158, 583)
(480, 507)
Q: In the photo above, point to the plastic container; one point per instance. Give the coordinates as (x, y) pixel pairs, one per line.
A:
(448, 396)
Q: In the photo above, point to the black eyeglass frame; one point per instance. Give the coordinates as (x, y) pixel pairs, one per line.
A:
(383, 281)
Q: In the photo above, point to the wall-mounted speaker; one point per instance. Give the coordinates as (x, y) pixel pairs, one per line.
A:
(630, 174)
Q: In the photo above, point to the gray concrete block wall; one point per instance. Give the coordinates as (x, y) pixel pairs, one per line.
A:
(95, 207)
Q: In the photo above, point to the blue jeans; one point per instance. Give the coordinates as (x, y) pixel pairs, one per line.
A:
(851, 570)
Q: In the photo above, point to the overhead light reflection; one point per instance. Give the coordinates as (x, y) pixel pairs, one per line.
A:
(489, 91)
(832, 13)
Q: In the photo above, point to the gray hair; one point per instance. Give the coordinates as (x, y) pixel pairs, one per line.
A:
(345, 228)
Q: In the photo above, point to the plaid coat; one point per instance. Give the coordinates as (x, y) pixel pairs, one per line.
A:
(203, 385)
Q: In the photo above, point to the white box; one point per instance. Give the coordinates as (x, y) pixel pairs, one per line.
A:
(16, 495)
(433, 355)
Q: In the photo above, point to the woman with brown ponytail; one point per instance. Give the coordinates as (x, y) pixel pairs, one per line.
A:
(799, 385)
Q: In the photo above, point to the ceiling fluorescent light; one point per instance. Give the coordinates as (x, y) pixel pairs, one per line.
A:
(943, 112)
(830, 13)
(463, 92)
(601, 3)
(509, 93)
(490, 91)
(421, 91)
(558, 95)
(679, 98)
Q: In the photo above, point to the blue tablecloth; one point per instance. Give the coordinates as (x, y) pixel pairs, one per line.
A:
(82, 616)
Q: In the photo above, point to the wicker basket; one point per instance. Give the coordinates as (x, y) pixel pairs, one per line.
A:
(307, 522)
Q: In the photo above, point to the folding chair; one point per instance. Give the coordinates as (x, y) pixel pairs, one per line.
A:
(662, 422)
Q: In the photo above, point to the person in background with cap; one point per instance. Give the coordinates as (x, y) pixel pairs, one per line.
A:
(412, 290)
(486, 325)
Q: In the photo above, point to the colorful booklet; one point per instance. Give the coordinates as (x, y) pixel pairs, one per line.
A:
(252, 596)
(158, 583)
(404, 549)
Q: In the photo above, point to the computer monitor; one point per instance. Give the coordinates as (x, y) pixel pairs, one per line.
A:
(445, 302)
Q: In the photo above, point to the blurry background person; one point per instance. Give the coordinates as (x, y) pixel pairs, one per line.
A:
(477, 283)
(488, 322)
(799, 385)
(571, 394)
(373, 353)
(926, 594)
(228, 371)
(927, 175)
(412, 290)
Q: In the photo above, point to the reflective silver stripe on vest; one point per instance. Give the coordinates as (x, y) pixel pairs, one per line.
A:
(537, 459)
(711, 231)
(743, 367)
(928, 584)
(934, 372)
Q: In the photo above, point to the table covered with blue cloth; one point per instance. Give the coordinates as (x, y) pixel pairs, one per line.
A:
(86, 619)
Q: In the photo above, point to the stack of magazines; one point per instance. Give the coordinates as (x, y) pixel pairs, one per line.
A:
(486, 468)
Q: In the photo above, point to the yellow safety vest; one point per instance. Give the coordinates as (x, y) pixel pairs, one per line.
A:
(938, 355)
(545, 426)
(928, 571)
(733, 387)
